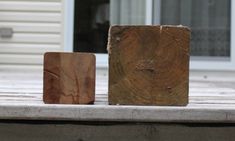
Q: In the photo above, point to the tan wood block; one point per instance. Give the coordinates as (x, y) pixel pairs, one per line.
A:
(69, 78)
(148, 65)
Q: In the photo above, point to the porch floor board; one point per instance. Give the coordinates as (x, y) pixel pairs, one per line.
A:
(21, 98)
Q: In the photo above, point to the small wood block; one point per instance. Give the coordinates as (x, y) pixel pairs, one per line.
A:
(148, 65)
(69, 78)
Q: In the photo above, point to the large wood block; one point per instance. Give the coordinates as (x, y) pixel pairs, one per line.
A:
(69, 78)
(148, 65)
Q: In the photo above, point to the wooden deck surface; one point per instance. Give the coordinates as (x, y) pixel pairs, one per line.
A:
(21, 98)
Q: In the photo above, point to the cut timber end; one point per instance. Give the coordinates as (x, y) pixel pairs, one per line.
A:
(69, 78)
(148, 65)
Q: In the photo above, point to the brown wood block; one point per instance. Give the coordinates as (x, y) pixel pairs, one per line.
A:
(148, 65)
(69, 78)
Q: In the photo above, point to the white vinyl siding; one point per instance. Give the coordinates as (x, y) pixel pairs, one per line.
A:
(38, 27)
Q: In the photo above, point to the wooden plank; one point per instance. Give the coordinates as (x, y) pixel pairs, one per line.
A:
(103, 98)
(116, 113)
(200, 85)
(20, 95)
(4, 102)
(20, 99)
(210, 106)
(20, 86)
(148, 65)
(21, 90)
(69, 78)
(20, 67)
(114, 131)
(230, 97)
(211, 93)
(212, 101)
(212, 90)
(217, 105)
(16, 82)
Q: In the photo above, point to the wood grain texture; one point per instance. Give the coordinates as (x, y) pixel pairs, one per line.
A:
(69, 78)
(148, 65)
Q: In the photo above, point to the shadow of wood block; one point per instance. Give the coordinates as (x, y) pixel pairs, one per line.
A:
(148, 65)
(69, 78)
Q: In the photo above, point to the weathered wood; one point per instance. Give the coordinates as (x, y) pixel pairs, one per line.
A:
(69, 78)
(113, 131)
(209, 101)
(38, 111)
(148, 65)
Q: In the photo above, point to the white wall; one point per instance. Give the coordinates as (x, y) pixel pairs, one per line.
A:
(38, 27)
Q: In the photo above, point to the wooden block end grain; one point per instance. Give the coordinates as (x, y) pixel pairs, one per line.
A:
(69, 78)
(149, 65)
